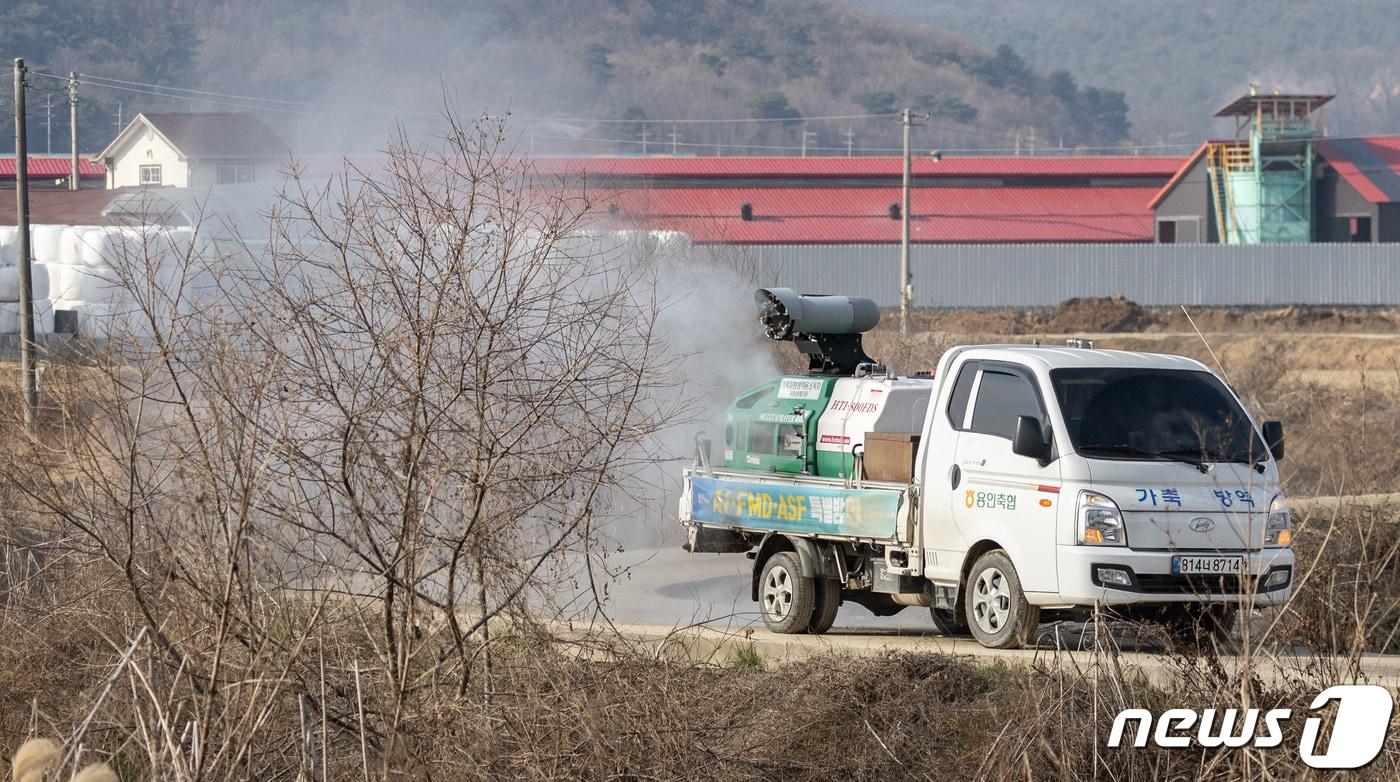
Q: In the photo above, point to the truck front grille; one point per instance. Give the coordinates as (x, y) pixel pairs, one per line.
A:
(1168, 584)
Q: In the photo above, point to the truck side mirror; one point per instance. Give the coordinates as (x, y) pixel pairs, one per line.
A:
(1030, 439)
(1273, 437)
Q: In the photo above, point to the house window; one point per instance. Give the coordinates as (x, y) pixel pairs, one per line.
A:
(1166, 232)
(150, 175)
(233, 173)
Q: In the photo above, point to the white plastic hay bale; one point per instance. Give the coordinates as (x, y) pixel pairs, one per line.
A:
(46, 243)
(70, 249)
(9, 245)
(95, 284)
(9, 282)
(101, 247)
(175, 245)
(63, 281)
(85, 283)
(43, 317)
(192, 287)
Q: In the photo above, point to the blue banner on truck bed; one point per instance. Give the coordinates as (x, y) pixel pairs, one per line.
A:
(863, 513)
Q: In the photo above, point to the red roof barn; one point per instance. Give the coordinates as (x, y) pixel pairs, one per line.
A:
(856, 200)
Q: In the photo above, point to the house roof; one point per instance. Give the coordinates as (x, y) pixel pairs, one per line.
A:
(822, 167)
(59, 206)
(1371, 165)
(860, 215)
(46, 167)
(207, 134)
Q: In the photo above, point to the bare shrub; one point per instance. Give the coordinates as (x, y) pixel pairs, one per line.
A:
(336, 455)
(1347, 601)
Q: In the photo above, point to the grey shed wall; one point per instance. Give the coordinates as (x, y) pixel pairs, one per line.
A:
(1189, 199)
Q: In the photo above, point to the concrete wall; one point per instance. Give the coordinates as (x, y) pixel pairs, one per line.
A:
(146, 147)
(1045, 275)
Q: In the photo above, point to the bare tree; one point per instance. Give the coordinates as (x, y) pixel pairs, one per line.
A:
(366, 435)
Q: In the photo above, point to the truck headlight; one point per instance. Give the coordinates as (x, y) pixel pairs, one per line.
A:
(1100, 521)
(1279, 530)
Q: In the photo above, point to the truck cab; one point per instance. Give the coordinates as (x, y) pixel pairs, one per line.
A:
(1099, 477)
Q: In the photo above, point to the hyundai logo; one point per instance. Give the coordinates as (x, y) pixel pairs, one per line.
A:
(1202, 524)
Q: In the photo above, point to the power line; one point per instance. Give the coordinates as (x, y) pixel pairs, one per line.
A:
(312, 108)
(709, 121)
(164, 89)
(842, 149)
(252, 101)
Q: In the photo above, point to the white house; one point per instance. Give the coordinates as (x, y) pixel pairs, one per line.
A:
(193, 150)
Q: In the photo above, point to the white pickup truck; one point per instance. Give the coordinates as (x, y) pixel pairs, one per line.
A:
(1044, 481)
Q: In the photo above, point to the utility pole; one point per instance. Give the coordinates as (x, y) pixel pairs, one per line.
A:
(48, 123)
(119, 116)
(906, 285)
(806, 134)
(26, 283)
(675, 137)
(644, 138)
(74, 176)
(850, 141)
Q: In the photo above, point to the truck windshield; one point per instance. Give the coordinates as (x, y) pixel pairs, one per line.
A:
(1154, 414)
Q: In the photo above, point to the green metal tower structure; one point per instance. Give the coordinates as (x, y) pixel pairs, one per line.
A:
(1261, 182)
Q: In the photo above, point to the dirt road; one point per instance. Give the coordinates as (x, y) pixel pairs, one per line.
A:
(720, 644)
(697, 607)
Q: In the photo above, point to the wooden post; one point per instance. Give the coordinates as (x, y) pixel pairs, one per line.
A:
(26, 281)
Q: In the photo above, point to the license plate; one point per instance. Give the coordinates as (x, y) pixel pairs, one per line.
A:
(1212, 566)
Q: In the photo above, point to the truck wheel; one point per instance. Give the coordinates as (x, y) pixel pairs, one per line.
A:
(996, 608)
(947, 621)
(827, 603)
(785, 597)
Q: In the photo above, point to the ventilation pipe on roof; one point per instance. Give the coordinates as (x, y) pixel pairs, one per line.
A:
(746, 212)
(894, 211)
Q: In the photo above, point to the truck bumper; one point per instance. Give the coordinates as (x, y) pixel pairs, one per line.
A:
(1084, 578)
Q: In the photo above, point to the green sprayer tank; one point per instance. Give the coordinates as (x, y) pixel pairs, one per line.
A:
(813, 424)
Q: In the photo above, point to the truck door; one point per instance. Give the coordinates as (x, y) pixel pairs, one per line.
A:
(942, 542)
(1004, 497)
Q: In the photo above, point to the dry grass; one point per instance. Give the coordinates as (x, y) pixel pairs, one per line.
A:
(116, 654)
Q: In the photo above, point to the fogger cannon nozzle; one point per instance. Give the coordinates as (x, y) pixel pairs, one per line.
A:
(784, 312)
(826, 329)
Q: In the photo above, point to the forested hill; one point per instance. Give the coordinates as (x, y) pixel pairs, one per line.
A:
(626, 61)
(1180, 60)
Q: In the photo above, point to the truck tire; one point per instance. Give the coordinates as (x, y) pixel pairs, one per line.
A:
(947, 621)
(995, 607)
(827, 603)
(785, 597)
